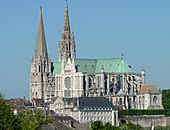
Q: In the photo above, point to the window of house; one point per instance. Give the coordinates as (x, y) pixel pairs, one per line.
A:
(39, 69)
(155, 99)
(120, 101)
(67, 93)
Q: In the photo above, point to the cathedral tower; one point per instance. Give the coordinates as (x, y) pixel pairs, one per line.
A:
(66, 46)
(41, 67)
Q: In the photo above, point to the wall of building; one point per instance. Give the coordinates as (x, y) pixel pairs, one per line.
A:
(168, 121)
(148, 121)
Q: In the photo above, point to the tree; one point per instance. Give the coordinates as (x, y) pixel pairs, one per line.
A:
(32, 120)
(29, 120)
(97, 125)
(162, 128)
(130, 126)
(109, 126)
(166, 98)
(7, 119)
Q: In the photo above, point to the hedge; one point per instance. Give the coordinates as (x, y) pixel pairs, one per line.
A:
(123, 113)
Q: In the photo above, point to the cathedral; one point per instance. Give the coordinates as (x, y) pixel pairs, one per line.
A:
(62, 83)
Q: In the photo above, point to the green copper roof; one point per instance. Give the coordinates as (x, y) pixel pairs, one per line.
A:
(110, 65)
(86, 65)
(92, 66)
(116, 65)
(57, 68)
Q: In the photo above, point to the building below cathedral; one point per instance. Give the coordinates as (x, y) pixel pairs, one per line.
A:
(71, 79)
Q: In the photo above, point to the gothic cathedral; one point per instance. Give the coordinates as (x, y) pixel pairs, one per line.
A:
(70, 77)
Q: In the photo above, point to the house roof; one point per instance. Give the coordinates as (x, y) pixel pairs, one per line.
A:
(91, 66)
(17, 101)
(37, 102)
(146, 89)
(65, 119)
(94, 102)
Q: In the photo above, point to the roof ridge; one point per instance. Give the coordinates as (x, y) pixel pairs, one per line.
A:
(100, 58)
(84, 59)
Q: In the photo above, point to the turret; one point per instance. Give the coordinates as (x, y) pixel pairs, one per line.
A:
(160, 97)
(143, 76)
(102, 81)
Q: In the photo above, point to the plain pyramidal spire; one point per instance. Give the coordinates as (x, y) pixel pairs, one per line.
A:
(66, 19)
(41, 48)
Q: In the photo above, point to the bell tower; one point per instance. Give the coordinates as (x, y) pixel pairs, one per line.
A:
(41, 67)
(66, 46)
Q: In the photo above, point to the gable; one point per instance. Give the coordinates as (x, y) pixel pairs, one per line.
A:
(148, 89)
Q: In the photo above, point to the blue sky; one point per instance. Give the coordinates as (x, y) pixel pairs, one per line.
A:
(138, 29)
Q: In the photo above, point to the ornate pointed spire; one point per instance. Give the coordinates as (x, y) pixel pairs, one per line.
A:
(41, 48)
(66, 19)
(66, 47)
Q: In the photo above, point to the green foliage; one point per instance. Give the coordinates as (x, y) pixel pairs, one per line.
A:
(98, 125)
(130, 126)
(7, 119)
(30, 120)
(166, 98)
(109, 126)
(158, 128)
(168, 112)
(133, 112)
(162, 128)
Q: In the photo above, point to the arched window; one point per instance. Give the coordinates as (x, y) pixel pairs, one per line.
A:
(39, 68)
(36, 94)
(155, 99)
(120, 101)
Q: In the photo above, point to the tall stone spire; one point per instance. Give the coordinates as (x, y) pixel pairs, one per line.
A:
(66, 19)
(41, 48)
(66, 46)
(41, 66)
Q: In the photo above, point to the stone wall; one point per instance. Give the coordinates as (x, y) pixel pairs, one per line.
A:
(151, 120)
(168, 121)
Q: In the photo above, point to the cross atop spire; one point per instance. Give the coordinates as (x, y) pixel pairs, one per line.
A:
(41, 48)
(66, 19)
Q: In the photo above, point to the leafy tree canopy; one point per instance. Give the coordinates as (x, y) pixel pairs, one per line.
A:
(166, 98)
(29, 120)
(32, 120)
(98, 125)
(7, 120)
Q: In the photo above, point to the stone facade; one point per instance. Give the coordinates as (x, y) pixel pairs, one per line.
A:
(86, 109)
(148, 97)
(150, 120)
(90, 109)
(70, 78)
